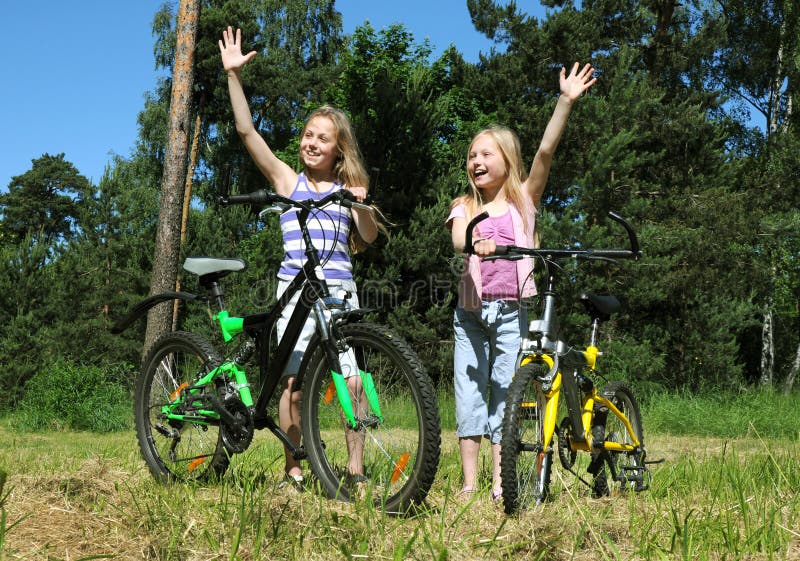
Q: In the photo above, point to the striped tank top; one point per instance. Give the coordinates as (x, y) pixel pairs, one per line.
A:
(328, 227)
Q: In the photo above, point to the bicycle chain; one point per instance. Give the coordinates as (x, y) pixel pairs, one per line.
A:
(565, 453)
(237, 437)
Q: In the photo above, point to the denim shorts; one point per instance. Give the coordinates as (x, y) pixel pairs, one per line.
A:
(486, 346)
(336, 286)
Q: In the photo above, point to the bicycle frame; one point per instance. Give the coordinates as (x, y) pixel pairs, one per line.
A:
(560, 384)
(314, 299)
(543, 340)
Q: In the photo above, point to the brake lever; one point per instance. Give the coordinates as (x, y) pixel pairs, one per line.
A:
(277, 208)
(606, 259)
(362, 206)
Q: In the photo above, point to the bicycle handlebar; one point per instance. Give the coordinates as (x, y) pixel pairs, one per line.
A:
(516, 252)
(263, 197)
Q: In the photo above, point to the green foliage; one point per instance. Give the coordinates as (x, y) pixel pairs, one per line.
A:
(44, 202)
(64, 395)
(663, 138)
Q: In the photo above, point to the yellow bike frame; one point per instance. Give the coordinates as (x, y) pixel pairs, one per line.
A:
(552, 397)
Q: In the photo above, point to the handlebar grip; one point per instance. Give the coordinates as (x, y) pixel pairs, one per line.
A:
(615, 253)
(347, 195)
(260, 197)
(501, 249)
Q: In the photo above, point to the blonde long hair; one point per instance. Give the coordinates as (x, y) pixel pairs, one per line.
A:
(349, 167)
(508, 144)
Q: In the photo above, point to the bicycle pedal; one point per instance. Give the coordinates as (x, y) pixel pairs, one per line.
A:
(640, 478)
(643, 485)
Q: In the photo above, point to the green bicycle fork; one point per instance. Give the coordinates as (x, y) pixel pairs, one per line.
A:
(347, 404)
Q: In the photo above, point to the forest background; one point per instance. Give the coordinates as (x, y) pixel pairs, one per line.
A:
(689, 133)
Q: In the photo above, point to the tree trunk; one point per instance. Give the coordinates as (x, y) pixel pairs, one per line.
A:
(767, 347)
(788, 384)
(775, 91)
(187, 198)
(665, 11)
(167, 250)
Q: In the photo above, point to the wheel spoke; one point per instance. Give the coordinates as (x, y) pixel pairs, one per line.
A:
(172, 448)
(396, 457)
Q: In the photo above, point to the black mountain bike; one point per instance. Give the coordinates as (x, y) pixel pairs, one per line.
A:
(366, 398)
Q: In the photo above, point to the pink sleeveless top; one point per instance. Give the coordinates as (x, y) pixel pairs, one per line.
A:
(499, 276)
(470, 289)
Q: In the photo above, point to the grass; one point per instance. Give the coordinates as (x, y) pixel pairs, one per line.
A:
(80, 495)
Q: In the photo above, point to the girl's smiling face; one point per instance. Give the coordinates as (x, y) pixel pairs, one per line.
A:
(318, 147)
(485, 164)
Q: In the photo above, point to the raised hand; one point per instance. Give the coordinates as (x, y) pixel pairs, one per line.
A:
(577, 82)
(230, 47)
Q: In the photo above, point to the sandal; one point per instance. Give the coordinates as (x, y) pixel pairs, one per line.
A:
(466, 492)
(292, 482)
(496, 495)
(357, 478)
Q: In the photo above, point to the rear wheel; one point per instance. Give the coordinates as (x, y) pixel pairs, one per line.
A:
(176, 450)
(393, 460)
(525, 465)
(628, 467)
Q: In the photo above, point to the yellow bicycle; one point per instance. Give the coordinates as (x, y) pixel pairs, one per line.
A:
(606, 424)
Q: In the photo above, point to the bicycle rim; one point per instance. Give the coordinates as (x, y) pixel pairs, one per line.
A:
(525, 465)
(625, 463)
(392, 462)
(176, 450)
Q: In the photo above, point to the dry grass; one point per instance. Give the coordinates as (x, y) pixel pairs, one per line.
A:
(84, 496)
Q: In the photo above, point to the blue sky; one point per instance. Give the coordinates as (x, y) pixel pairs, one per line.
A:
(75, 80)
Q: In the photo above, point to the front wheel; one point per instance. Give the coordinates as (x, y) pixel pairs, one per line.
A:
(525, 464)
(393, 454)
(176, 449)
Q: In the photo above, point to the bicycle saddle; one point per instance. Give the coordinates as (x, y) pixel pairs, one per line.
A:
(208, 265)
(599, 306)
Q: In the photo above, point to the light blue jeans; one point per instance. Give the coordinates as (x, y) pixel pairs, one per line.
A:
(486, 347)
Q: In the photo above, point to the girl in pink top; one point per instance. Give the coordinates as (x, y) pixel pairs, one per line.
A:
(487, 321)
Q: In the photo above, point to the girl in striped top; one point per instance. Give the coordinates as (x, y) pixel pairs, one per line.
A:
(331, 161)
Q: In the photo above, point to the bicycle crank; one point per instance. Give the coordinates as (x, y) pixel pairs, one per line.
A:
(237, 427)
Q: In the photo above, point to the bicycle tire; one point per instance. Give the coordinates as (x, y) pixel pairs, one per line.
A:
(176, 451)
(622, 397)
(525, 466)
(401, 454)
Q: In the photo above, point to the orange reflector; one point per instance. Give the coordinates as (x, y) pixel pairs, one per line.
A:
(401, 464)
(329, 393)
(194, 464)
(174, 395)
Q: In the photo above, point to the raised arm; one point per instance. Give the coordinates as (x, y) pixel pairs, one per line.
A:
(282, 176)
(572, 87)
